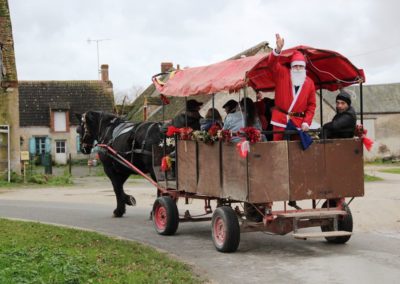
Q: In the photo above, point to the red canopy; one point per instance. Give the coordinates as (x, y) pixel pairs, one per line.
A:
(329, 70)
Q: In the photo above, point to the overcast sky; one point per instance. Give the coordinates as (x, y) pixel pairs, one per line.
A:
(51, 35)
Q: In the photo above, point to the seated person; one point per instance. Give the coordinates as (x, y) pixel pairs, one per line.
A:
(230, 106)
(264, 108)
(212, 117)
(192, 114)
(343, 123)
(235, 121)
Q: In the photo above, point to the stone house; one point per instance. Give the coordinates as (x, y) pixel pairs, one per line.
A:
(47, 113)
(9, 120)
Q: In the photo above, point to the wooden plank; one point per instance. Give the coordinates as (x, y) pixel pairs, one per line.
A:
(187, 166)
(344, 169)
(234, 173)
(328, 169)
(316, 213)
(307, 171)
(268, 172)
(209, 170)
(321, 234)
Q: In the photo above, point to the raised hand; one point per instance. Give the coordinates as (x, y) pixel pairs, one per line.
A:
(279, 43)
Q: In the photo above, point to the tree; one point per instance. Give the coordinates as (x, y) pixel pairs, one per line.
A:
(127, 96)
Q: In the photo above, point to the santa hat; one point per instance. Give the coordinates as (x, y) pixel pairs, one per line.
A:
(298, 59)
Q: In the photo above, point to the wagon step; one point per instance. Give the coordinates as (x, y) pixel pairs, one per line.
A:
(312, 214)
(310, 235)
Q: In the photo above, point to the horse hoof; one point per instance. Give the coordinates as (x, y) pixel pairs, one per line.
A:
(131, 200)
(118, 214)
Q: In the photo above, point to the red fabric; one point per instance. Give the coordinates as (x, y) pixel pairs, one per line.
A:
(362, 133)
(281, 136)
(278, 136)
(260, 107)
(231, 75)
(306, 99)
(226, 76)
(324, 67)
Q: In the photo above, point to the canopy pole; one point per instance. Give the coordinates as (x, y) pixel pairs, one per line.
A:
(186, 125)
(163, 111)
(164, 138)
(320, 106)
(361, 105)
(213, 107)
(245, 105)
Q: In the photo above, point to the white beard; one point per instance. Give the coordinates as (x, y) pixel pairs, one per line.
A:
(298, 77)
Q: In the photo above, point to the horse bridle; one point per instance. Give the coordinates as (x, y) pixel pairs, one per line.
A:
(86, 133)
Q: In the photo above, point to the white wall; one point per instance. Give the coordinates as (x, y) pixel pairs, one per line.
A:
(70, 137)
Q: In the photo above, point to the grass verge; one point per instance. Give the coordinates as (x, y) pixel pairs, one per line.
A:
(391, 171)
(38, 253)
(369, 178)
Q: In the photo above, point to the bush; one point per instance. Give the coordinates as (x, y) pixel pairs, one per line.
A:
(15, 178)
(38, 178)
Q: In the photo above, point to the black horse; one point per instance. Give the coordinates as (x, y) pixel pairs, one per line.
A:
(133, 141)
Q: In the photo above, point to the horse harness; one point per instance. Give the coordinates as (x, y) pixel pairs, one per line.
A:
(119, 127)
(142, 150)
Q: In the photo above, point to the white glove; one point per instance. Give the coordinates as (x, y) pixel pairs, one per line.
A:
(305, 126)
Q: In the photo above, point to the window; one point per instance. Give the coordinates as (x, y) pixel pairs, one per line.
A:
(40, 143)
(60, 121)
(60, 146)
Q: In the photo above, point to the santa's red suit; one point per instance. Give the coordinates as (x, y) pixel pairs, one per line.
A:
(301, 106)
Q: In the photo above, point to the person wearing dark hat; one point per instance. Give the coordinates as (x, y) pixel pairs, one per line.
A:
(343, 123)
(230, 106)
(191, 117)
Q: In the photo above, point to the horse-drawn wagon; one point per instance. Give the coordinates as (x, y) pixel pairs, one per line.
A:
(246, 190)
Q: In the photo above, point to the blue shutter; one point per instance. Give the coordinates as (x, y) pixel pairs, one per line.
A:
(47, 146)
(78, 144)
(32, 146)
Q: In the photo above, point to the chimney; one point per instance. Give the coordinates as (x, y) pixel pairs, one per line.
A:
(104, 73)
(166, 66)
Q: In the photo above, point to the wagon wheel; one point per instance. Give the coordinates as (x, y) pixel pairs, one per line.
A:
(345, 223)
(165, 216)
(225, 229)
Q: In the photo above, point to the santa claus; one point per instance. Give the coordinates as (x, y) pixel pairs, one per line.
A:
(295, 98)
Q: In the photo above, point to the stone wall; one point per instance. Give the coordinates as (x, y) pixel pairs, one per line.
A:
(8, 92)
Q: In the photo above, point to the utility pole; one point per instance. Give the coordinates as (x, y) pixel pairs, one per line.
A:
(97, 41)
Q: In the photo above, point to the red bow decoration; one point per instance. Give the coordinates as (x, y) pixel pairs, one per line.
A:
(213, 131)
(243, 147)
(361, 132)
(226, 135)
(172, 130)
(164, 100)
(166, 163)
(253, 135)
(186, 133)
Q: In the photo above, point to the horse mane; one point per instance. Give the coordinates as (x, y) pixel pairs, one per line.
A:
(98, 121)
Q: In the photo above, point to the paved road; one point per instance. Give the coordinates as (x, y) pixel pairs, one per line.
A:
(369, 257)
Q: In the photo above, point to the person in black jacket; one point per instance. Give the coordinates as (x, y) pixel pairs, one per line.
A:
(343, 123)
(191, 114)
